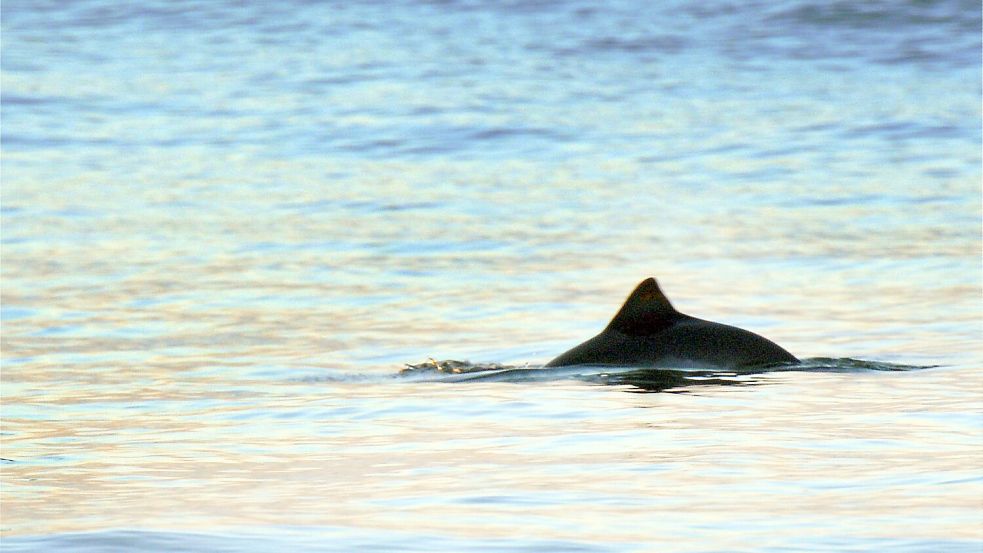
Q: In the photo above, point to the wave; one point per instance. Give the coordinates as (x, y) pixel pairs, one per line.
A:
(644, 379)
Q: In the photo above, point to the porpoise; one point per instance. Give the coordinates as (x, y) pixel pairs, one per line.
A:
(649, 332)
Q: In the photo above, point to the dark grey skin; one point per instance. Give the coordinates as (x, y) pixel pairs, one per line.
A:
(649, 332)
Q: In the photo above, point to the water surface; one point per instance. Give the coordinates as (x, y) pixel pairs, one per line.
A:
(226, 228)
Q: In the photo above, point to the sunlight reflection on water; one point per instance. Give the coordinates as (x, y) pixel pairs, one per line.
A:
(226, 228)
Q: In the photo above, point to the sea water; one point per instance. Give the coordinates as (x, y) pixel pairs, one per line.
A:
(227, 226)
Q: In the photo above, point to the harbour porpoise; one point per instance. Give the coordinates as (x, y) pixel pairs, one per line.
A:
(649, 332)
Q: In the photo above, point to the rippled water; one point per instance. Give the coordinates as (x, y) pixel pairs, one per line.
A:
(226, 228)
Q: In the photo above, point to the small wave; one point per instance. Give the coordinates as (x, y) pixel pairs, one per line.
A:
(641, 379)
(644, 379)
(847, 364)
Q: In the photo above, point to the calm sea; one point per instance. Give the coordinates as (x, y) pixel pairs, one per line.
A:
(226, 227)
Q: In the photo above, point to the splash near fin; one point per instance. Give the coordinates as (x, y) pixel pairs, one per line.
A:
(646, 311)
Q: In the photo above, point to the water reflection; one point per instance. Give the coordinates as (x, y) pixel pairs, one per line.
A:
(640, 380)
(673, 381)
(202, 206)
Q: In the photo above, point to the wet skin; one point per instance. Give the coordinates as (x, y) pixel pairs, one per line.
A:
(649, 332)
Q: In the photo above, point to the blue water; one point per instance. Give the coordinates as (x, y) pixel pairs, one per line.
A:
(227, 227)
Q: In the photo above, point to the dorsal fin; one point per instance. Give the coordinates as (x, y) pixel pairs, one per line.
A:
(646, 311)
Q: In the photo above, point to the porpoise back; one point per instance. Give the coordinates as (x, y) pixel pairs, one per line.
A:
(649, 332)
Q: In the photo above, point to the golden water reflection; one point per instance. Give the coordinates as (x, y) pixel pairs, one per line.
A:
(840, 451)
